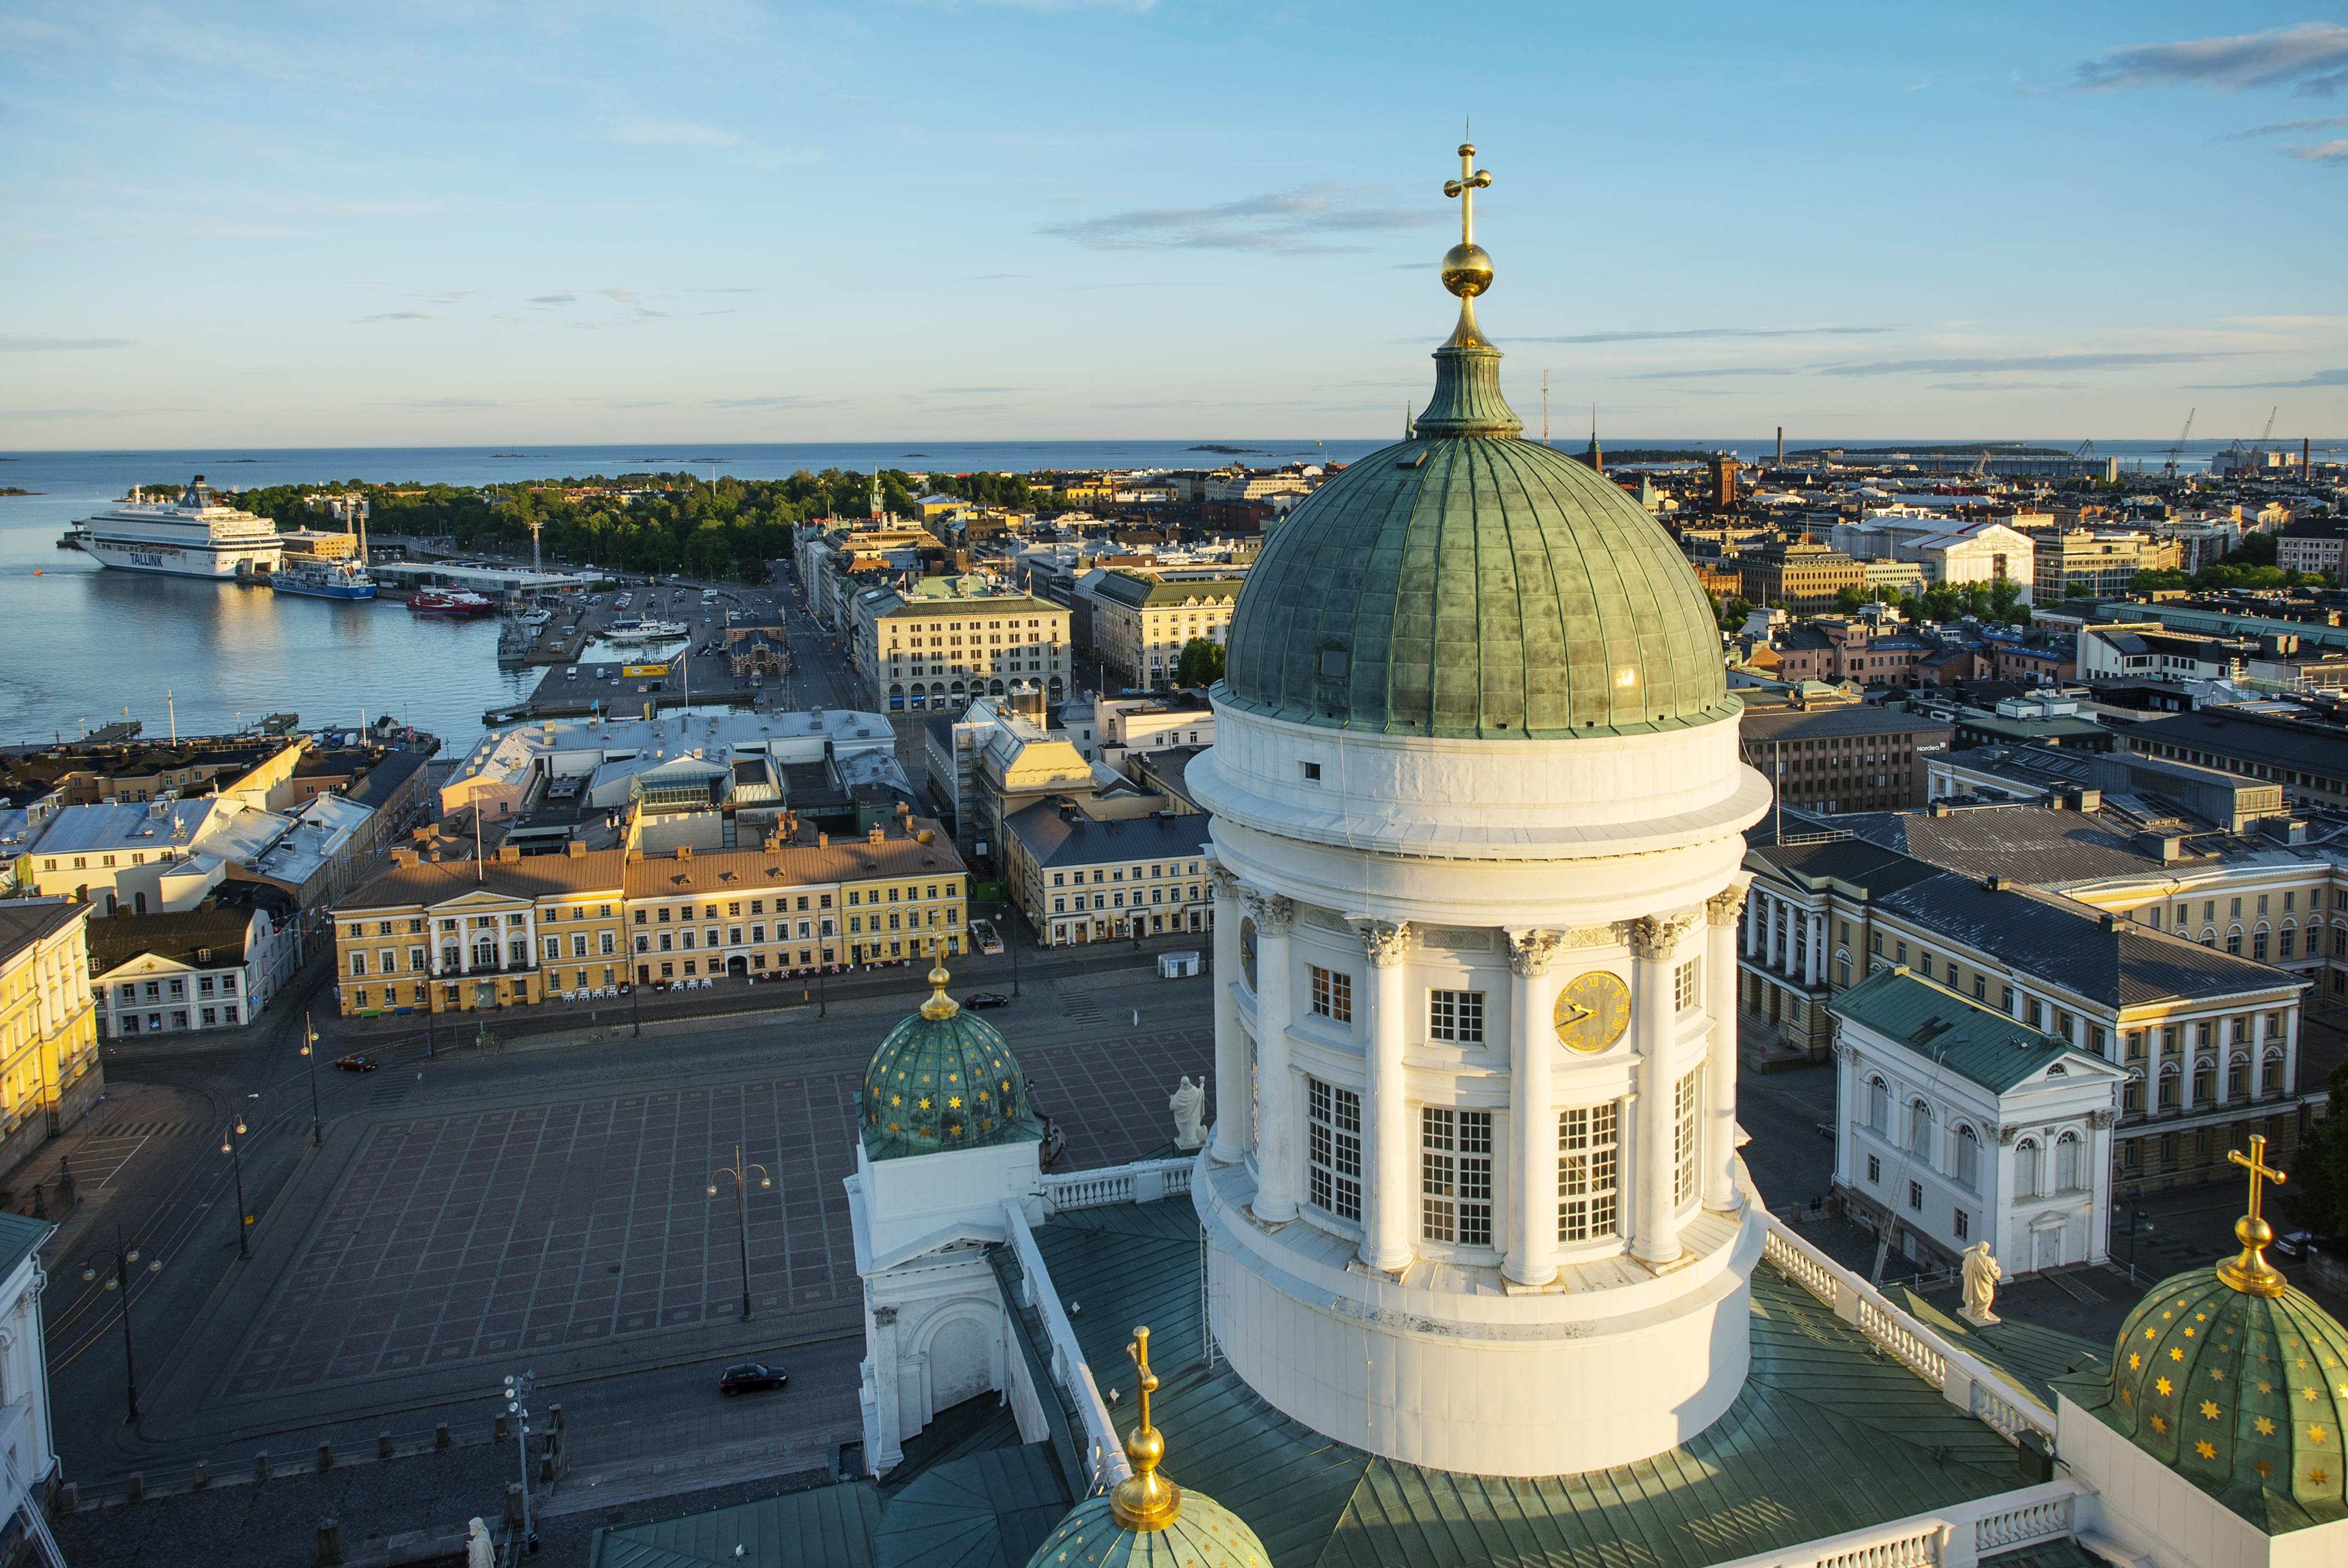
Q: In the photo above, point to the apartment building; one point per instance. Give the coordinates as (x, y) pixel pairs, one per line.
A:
(1141, 622)
(462, 936)
(49, 1068)
(1799, 576)
(943, 642)
(213, 967)
(1831, 755)
(1082, 876)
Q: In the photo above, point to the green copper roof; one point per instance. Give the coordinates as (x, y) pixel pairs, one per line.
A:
(1475, 585)
(942, 1080)
(1969, 1038)
(1206, 1535)
(2244, 1396)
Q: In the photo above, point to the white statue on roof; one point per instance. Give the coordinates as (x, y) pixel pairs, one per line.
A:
(1981, 1275)
(1189, 1108)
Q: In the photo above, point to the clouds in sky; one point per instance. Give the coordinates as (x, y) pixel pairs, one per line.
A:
(1976, 364)
(1710, 333)
(2311, 59)
(2322, 378)
(1305, 220)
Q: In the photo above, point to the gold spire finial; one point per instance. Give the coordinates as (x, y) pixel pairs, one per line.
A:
(2251, 1274)
(1146, 1500)
(1467, 269)
(940, 1005)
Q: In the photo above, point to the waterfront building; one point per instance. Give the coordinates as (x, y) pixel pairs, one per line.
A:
(141, 857)
(464, 936)
(944, 640)
(1084, 872)
(50, 1073)
(213, 967)
(1799, 576)
(1141, 622)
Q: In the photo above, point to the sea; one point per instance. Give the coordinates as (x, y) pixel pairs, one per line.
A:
(86, 647)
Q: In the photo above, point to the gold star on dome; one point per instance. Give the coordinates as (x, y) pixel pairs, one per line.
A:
(2315, 1434)
(2318, 1475)
(2216, 1375)
(2311, 1395)
(2209, 1410)
(2171, 1314)
(2265, 1386)
(953, 1102)
(2159, 1424)
(2265, 1468)
(896, 1100)
(2265, 1427)
(2128, 1397)
(2200, 1318)
(2204, 1449)
(955, 1130)
(2134, 1361)
(2175, 1354)
(925, 1105)
(2188, 1334)
(2148, 1333)
(2161, 1387)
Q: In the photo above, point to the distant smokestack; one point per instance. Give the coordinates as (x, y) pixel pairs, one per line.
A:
(1781, 445)
(2306, 458)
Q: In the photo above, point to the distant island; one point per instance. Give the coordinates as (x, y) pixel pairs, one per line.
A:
(1946, 449)
(12, 490)
(1229, 451)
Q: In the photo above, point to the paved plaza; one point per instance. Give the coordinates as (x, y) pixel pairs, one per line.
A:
(489, 1234)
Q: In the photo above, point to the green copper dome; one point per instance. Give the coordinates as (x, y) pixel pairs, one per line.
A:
(942, 1080)
(1464, 582)
(1206, 1535)
(2243, 1394)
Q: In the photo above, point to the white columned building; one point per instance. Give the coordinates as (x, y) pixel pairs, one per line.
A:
(1479, 811)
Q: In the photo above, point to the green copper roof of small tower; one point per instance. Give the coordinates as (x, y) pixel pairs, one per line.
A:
(2244, 1396)
(942, 1080)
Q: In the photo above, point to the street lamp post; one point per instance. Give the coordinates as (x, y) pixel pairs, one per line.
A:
(741, 1211)
(235, 1152)
(310, 1052)
(518, 1388)
(119, 1260)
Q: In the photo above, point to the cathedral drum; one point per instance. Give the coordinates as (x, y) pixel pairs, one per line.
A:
(1472, 1198)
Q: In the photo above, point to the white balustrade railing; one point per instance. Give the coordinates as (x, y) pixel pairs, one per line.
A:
(1143, 1181)
(1105, 1454)
(1964, 1379)
(1957, 1537)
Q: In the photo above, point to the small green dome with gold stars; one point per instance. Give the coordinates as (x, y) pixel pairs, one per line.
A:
(942, 1080)
(2238, 1382)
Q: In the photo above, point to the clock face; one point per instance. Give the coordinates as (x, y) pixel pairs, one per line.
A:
(1592, 1011)
(1247, 951)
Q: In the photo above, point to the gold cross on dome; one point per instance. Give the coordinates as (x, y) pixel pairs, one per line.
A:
(2255, 1163)
(2251, 1274)
(1470, 180)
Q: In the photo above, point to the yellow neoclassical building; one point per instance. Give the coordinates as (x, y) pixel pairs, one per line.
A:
(49, 1072)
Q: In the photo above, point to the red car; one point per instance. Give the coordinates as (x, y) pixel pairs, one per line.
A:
(358, 1063)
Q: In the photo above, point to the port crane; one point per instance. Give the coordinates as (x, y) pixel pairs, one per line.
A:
(2179, 450)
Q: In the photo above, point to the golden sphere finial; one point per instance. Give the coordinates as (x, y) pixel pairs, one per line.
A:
(940, 1005)
(1467, 268)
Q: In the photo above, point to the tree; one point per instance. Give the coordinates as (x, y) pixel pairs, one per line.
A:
(2318, 1195)
(1850, 597)
(1200, 664)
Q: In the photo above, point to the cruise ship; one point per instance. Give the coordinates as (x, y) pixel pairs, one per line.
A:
(193, 536)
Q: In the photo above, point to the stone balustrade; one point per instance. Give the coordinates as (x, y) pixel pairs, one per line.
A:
(1105, 1452)
(1957, 1537)
(1143, 1181)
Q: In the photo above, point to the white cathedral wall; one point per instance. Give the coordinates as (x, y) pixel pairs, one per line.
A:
(1552, 1384)
(2150, 1510)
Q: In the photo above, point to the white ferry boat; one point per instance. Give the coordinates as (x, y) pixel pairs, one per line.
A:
(645, 631)
(192, 537)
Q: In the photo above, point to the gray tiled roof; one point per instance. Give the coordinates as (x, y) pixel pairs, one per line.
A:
(2032, 844)
(2069, 944)
(2282, 743)
(1475, 586)
(1763, 725)
(1052, 840)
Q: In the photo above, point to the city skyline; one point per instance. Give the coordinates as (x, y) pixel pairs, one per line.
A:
(730, 223)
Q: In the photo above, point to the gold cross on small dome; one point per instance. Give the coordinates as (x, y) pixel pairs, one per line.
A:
(2251, 1274)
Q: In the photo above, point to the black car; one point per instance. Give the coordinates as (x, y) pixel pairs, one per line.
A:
(2297, 1244)
(745, 1375)
(979, 1001)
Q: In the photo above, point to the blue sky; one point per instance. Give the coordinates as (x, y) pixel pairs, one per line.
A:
(328, 224)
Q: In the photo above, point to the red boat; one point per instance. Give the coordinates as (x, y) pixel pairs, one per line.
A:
(451, 602)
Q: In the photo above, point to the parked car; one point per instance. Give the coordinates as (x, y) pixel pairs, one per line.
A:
(2296, 1244)
(744, 1375)
(358, 1063)
(980, 1000)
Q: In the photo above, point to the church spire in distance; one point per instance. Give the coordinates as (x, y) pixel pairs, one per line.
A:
(1467, 400)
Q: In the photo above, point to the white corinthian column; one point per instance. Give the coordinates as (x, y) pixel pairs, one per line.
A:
(1655, 946)
(1532, 1125)
(1231, 1141)
(1386, 1235)
(1276, 1125)
(1720, 979)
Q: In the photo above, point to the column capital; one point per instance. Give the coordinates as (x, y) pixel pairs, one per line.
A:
(1724, 906)
(1272, 912)
(1654, 938)
(1387, 942)
(1532, 952)
(2099, 1120)
(1226, 882)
